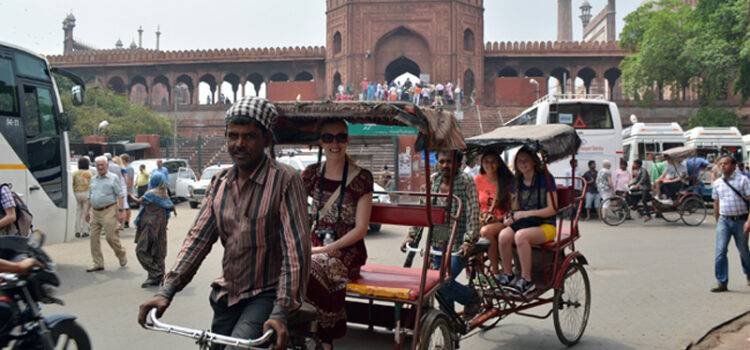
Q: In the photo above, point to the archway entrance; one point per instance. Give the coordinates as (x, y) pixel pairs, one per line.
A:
(400, 66)
(401, 51)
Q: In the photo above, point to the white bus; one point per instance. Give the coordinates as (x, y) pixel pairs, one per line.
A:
(715, 141)
(34, 142)
(641, 139)
(596, 119)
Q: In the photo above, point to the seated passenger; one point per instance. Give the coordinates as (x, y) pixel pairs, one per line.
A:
(532, 220)
(671, 181)
(640, 189)
(466, 233)
(342, 198)
(493, 190)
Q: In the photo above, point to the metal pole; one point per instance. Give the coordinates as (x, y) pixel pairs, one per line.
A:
(174, 135)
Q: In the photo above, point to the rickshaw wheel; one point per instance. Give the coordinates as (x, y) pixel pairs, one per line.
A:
(614, 210)
(436, 332)
(670, 213)
(693, 211)
(571, 305)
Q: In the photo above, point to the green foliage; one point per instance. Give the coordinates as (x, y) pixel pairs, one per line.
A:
(718, 117)
(125, 118)
(676, 45)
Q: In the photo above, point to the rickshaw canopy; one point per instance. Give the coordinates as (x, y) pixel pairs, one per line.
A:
(298, 121)
(554, 141)
(681, 153)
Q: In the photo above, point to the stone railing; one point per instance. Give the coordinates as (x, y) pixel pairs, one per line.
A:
(551, 48)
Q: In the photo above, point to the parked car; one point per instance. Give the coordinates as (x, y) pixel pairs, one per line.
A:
(300, 161)
(196, 190)
(173, 166)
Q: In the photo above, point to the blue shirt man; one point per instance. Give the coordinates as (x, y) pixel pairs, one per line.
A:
(694, 166)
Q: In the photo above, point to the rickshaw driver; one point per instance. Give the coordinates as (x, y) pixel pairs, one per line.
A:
(258, 209)
(467, 232)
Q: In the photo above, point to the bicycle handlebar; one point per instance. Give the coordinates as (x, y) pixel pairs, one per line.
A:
(206, 337)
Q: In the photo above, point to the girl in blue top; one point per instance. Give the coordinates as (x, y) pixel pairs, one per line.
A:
(532, 220)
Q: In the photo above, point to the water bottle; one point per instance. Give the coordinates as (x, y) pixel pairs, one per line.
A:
(328, 238)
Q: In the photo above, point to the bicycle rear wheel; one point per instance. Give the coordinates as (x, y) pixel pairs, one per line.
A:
(614, 211)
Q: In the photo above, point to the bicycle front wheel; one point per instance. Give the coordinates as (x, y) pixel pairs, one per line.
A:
(614, 211)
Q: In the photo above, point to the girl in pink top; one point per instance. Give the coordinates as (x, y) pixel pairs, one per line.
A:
(493, 187)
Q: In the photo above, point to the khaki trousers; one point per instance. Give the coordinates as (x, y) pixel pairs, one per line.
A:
(82, 198)
(105, 222)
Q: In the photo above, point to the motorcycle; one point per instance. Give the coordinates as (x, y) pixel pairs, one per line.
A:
(23, 294)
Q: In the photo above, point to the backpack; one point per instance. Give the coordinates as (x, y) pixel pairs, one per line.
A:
(22, 225)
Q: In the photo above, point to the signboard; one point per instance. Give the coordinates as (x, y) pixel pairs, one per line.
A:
(424, 78)
(380, 130)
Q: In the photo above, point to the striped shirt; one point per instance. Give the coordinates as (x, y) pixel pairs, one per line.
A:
(729, 202)
(265, 232)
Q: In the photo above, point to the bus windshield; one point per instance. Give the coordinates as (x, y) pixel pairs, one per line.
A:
(582, 116)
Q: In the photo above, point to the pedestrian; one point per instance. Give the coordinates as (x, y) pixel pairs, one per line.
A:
(604, 183)
(129, 174)
(141, 181)
(107, 203)
(731, 194)
(151, 230)
(342, 198)
(258, 209)
(9, 211)
(621, 178)
(81, 186)
(592, 193)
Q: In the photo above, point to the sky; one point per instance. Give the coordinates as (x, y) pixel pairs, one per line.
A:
(190, 24)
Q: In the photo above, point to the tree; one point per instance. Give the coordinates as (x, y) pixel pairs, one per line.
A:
(708, 116)
(125, 118)
(675, 45)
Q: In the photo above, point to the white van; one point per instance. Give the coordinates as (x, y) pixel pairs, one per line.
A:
(715, 141)
(642, 139)
(596, 119)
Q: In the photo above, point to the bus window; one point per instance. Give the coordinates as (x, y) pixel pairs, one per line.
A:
(669, 145)
(583, 116)
(626, 152)
(43, 141)
(8, 99)
(528, 118)
(32, 67)
(644, 149)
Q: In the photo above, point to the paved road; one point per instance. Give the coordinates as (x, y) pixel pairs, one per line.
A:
(649, 290)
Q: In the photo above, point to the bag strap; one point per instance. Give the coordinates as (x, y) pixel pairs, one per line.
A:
(747, 205)
(338, 194)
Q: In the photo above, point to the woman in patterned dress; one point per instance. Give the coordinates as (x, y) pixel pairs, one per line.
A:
(347, 218)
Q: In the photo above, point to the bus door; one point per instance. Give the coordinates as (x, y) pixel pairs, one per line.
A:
(12, 167)
(44, 150)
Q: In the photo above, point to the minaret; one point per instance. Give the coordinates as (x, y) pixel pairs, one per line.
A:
(158, 34)
(118, 44)
(68, 24)
(140, 37)
(564, 20)
(611, 21)
(585, 13)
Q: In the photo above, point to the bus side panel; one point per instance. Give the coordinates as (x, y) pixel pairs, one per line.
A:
(12, 168)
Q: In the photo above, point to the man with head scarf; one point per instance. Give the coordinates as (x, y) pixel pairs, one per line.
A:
(151, 229)
(258, 208)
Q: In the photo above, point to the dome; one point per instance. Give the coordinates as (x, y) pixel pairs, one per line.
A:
(118, 44)
(133, 45)
(585, 4)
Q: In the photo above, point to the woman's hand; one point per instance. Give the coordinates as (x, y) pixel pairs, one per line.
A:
(519, 215)
(319, 250)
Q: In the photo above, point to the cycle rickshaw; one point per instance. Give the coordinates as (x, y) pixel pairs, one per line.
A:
(395, 299)
(558, 271)
(688, 205)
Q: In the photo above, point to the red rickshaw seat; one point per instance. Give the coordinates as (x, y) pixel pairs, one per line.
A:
(406, 215)
(391, 282)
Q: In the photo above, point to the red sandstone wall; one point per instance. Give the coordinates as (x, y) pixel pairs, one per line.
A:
(153, 140)
(288, 91)
(518, 91)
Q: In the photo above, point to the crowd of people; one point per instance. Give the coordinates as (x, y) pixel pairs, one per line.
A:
(258, 209)
(419, 93)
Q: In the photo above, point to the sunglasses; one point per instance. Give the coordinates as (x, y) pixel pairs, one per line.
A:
(339, 138)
